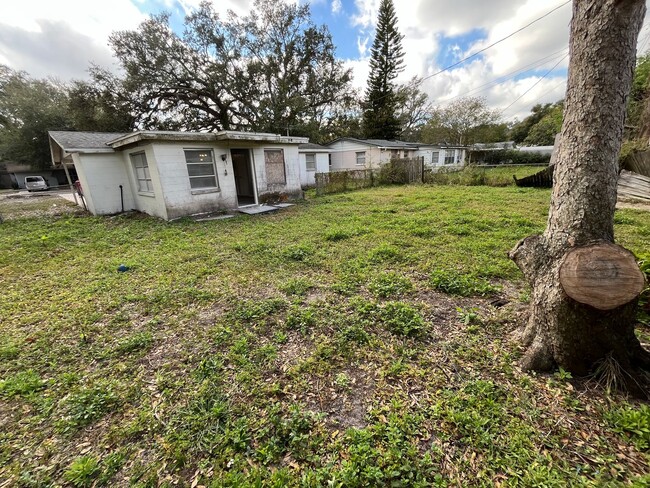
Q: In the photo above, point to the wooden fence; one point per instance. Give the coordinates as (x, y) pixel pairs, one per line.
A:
(632, 185)
(639, 163)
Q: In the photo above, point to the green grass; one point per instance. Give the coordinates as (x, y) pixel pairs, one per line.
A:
(346, 341)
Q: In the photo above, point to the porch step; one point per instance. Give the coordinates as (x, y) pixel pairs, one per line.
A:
(260, 209)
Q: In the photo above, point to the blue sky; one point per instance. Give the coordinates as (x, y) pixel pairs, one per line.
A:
(61, 38)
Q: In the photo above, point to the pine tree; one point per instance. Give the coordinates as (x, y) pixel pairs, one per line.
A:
(386, 62)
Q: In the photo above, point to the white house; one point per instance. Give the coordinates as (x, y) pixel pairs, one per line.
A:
(175, 174)
(441, 156)
(348, 153)
(314, 158)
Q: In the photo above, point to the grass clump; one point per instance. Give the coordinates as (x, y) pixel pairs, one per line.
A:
(86, 405)
(21, 383)
(140, 341)
(83, 471)
(402, 319)
(390, 284)
(634, 422)
(456, 283)
(297, 286)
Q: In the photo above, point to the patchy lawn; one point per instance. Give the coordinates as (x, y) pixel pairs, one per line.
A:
(352, 340)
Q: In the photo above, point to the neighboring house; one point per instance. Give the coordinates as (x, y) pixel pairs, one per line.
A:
(440, 156)
(348, 153)
(176, 174)
(314, 158)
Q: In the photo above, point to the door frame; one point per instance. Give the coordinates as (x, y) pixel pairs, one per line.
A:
(253, 175)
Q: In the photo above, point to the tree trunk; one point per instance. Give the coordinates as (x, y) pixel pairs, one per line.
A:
(562, 331)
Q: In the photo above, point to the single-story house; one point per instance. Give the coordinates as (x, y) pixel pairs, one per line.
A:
(438, 156)
(348, 153)
(314, 158)
(175, 174)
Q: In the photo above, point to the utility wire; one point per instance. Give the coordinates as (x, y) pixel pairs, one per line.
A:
(447, 68)
(537, 82)
(508, 76)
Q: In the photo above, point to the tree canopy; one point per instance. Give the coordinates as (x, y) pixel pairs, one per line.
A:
(272, 70)
(541, 126)
(380, 118)
(464, 121)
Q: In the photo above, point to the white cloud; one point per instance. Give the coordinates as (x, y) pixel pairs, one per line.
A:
(336, 6)
(61, 38)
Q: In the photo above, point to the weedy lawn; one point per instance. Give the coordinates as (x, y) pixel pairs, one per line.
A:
(359, 339)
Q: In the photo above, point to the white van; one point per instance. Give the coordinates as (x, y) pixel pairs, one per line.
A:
(34, 183)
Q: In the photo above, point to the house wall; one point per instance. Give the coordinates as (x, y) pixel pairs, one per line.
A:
(291, 165)
(433, 160)
(149, 203)
(179, 199)
(308, 177)
(344, 157)
(101, 176)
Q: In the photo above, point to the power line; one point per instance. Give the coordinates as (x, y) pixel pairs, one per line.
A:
(447, 68)
(508, 76)
(537, 82)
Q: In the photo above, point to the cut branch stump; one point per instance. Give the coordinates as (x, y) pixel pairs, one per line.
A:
(602, 275)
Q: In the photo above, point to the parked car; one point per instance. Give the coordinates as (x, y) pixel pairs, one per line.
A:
(35, 183)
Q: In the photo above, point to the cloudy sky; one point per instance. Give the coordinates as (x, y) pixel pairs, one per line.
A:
(60, 39)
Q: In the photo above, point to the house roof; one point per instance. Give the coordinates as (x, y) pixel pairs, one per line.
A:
(226, 135)
(310, 146)
(83, 141)
(382, 143)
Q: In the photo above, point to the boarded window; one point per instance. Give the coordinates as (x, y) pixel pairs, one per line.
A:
(200, 168)
(361, 158)
(141, 171)
(275, 171)
(310, 159)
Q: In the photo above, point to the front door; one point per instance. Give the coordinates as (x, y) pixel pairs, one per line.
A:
(243, 171)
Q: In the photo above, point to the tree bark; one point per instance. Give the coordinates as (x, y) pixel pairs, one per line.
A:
(562, 331)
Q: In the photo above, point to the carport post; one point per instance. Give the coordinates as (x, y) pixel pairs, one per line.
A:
(67, 175)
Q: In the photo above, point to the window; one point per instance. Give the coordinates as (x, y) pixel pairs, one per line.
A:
(141, 170)
(200, 168)
(361, 158)
(275, 171)
(310, 159)
(435, 157)
(450, 156)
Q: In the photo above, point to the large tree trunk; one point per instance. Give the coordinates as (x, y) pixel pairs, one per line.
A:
(561, 330)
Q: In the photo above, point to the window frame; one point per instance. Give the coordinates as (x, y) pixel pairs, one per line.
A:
(363, 154)
(147, 173)
(435, 157)
(267, 163)
(215, 173)
(452, 155)
(313, 156)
